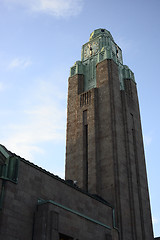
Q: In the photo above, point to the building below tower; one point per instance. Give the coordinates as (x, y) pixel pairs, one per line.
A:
(36, 205)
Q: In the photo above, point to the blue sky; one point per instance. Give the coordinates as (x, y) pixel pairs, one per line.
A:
(40, 41)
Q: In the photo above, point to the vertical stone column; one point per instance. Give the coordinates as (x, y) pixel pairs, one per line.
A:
(138, 186)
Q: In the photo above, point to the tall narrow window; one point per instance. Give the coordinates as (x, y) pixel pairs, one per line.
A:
(85, 150)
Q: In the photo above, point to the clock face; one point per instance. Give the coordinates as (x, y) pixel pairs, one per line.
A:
(90, 49)
(95, 47)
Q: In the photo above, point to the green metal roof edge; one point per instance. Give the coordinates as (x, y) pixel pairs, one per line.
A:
(4, 151)
(9, 170)
(40, 202)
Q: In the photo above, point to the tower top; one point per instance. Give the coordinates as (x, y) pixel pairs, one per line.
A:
(100, 31)
(101, 46)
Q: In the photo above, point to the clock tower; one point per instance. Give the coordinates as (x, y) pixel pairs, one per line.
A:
(104, 148)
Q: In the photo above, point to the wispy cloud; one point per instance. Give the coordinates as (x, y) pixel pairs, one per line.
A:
(19, 63)
(124, 44)
(147, 139)
(42, 120)
(1, 86)
(155, 220)
(59, 8)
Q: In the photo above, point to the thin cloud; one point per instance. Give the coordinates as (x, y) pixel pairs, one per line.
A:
(147, 140)
(42, 124)
(19, 63)
(1, 87)
(58, 8)
(155, 220)
(41, 120)
(125, 44)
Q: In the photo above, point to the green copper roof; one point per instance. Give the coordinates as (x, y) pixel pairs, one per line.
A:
(100, 46)
(9, 164)
(98, 32)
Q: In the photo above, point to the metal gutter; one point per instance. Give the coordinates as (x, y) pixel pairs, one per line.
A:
(5, 178)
